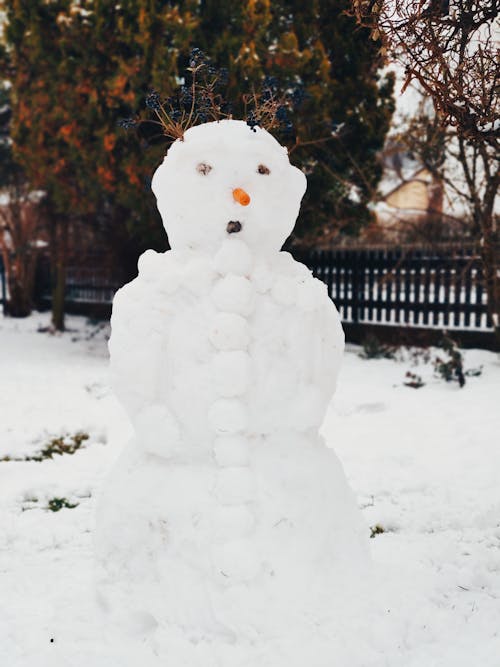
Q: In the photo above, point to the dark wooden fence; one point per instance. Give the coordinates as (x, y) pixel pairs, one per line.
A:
(90, 285)
(89, 289)
(407, 286)
(403, 294)
(407, 294)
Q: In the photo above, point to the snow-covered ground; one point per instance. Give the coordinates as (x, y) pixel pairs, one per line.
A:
(424, 463)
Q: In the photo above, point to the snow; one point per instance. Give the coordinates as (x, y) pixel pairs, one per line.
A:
(231, 373)
(160, 432)
(228, 415)
(205, 555)
(423, 463)
(231, 451)
(229, 331)
(234, 294)
(235, 257)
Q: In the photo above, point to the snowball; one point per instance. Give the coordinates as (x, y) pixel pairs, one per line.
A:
(230, 373)
(129, 361)
(170, 281)
(231, 450)
(235, 485)
(307, 296)
(235, 257)
(303, 271)
(285, 263)
(229, 331)
(310, 294)
(234, 294)
(234, 562)
(284, 291)
(308, 409)
(158, 431)
(230, 523)
(228, 415)
(198, 275)
(262, 278)
(150, 264)
(122, 301)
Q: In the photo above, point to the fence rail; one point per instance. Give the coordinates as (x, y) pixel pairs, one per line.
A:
(89, 285)
(409, 293)
(406, 286)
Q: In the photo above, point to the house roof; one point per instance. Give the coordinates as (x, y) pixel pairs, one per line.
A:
(391, 182)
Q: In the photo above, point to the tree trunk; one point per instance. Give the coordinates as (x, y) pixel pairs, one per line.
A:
(19, 273)
(59, 261)
(19, 303)
(58, 294)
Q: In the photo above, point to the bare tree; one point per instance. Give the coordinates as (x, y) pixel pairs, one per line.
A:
(450, 49)
(20, 227)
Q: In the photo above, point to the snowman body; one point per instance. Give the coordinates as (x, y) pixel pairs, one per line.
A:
(226, 515)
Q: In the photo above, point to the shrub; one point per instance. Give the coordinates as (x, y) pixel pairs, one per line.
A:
(67, 444)
(373, 348)
(451, 367)
(375, 530)
(64, 444)
(56, 504)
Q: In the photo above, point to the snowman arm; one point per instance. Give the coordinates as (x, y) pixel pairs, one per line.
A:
(134, 347)
(139, 328)
(332, 345)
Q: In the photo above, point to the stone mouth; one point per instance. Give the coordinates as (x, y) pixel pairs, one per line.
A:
(233, 227)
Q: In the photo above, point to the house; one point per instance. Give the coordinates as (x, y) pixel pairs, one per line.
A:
(411, 206)
(409, 199)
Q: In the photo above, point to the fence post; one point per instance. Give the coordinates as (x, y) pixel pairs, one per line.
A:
(356, 267)
(4, 291)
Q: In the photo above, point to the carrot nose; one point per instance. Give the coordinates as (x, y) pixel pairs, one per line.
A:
(241, 196)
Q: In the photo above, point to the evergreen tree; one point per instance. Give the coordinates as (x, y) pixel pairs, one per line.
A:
(347, 106)
(20, 222)
(77, 68)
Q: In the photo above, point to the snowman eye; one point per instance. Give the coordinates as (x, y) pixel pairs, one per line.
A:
(262, 169)
(203, 168)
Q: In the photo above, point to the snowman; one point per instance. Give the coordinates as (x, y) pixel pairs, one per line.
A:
(226, 518)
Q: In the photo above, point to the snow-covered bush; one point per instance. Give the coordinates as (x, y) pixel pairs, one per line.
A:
(451, 367)
(413, 380)
(373, 348)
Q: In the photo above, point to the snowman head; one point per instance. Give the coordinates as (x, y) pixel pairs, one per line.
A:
(224, 180)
